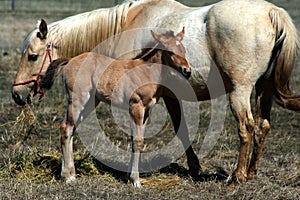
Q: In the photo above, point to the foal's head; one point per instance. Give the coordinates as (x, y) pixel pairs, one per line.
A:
(173, 53)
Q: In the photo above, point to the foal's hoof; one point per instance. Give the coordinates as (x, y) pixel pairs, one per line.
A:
(71, 179)
(135, 180)
(137, 184)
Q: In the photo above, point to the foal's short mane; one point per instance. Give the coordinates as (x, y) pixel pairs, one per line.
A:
(147, 53)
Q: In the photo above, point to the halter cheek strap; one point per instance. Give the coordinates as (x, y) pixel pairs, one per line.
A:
(35, 79)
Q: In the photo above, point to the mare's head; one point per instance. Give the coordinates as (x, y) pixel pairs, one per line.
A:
(173, 53)
(34, 58)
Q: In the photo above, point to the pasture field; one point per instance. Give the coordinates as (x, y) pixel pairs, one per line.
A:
(30, 138)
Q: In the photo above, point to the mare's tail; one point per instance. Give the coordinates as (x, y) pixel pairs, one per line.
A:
(52, 72)
(283, 58)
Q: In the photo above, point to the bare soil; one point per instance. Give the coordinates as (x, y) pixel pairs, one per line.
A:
(30, 164)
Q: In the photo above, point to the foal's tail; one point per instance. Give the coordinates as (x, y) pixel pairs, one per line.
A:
(52, 72)
(283, 58)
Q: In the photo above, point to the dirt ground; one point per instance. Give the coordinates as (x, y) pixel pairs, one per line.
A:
(30, 167)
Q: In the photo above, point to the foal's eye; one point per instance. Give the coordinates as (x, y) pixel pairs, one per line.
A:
(33, 57)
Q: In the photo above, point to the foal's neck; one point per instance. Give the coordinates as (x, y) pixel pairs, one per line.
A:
(152, 55)
(154, 58)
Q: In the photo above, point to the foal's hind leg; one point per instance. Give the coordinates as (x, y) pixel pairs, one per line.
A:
(240, 106)
(77, 111)
(176, 113)
(67, 132)
(264, 93)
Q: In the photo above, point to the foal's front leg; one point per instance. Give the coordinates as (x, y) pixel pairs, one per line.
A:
(137, 112)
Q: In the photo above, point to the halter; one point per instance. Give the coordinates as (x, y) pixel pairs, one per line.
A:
(38, 88)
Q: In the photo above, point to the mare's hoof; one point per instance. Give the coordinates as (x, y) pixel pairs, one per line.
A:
(232, 185)
(251, 175)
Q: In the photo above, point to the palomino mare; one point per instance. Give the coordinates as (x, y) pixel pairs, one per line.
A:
(91, 75)
(252, 43)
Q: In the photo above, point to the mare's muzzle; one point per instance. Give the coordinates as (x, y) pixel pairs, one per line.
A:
(21, 97)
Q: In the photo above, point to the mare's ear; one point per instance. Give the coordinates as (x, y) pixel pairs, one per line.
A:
(180, 35)
(156, 36)
(43, 29)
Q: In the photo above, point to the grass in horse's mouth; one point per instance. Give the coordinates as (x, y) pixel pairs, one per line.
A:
(26, 121)
(28, 100)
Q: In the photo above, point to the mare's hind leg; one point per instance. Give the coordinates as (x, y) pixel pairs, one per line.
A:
(176, 113)
(137, 112)
(264, 93)
(240, 106)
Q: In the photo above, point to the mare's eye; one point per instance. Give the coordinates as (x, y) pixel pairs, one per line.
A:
(33, 57)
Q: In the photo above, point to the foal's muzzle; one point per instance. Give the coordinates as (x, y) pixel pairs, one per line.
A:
(186, 72)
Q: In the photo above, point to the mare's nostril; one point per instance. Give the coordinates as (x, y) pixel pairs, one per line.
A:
(18, 98)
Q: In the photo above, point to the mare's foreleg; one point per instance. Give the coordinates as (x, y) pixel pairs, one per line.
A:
(264, 93)
(175, 110)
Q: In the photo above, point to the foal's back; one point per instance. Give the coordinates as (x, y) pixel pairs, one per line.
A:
(95, 72)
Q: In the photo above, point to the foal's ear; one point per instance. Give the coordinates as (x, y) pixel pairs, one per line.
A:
(180, 35)
(43, 29)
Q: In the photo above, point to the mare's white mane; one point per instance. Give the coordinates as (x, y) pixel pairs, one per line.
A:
(81, 33)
